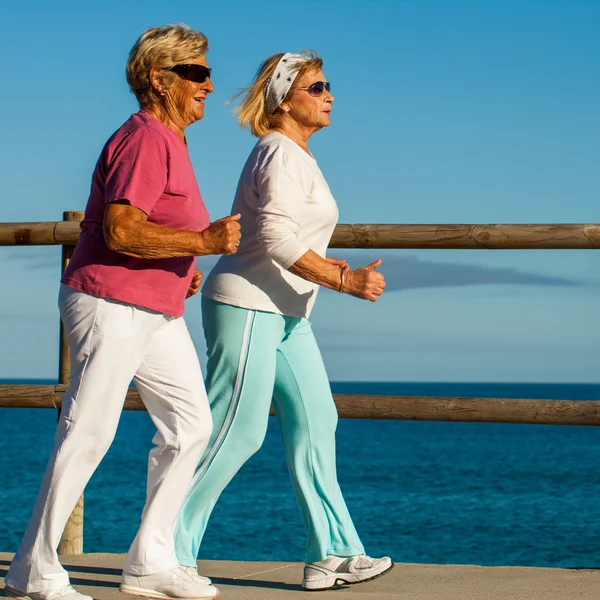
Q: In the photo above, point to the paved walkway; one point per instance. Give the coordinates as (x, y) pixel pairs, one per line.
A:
(98, 575)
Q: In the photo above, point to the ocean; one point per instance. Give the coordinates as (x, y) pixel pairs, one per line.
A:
(446, 493)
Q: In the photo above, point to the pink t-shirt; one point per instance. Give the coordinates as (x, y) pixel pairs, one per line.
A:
(147, 164)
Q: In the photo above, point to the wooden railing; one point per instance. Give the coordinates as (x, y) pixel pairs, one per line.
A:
(442, 237)
(352, 406)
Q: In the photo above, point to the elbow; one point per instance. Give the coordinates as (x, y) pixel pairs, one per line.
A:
(270, 245)
(284, 252)
(279, 241)
(265, 241)
(115, 237)
(272, 237)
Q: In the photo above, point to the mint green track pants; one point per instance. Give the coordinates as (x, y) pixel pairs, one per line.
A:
(254, 358)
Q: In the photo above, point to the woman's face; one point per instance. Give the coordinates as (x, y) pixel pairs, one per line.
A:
(308, 110)
(186, 98)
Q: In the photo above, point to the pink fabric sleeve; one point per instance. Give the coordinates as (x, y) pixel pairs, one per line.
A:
(137, 170)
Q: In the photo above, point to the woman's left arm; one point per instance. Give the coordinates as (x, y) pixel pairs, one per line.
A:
(322, 271)
(364, 283)
(338, 262)
(282, 195)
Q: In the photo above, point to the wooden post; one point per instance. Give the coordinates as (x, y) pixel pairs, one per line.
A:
(72, 539)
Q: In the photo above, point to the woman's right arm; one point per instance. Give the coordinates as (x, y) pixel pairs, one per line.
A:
(136, 177)
(128, 231)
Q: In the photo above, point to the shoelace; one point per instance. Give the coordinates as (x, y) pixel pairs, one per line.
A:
(193, 572)
(362, 561)
(185, 573)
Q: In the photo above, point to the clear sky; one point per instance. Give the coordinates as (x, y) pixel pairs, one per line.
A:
(446, 112)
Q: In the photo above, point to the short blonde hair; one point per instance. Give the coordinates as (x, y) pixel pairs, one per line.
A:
(161, 48)
(251, 111)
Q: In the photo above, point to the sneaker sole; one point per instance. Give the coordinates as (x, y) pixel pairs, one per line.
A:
(340, 582)
(147, 593)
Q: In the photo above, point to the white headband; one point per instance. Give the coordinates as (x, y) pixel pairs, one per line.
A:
(282, 79)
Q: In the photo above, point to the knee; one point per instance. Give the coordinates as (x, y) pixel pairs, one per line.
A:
(324, 421)
(94, 446)
(324, 427)
(196, 432)
(248, 442)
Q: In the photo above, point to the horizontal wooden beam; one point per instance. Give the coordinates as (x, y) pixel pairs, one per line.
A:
(363, 406)
(469, 237)
(582, 236)
(39, 234)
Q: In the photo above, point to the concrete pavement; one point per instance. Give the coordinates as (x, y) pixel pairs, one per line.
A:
(99, 574)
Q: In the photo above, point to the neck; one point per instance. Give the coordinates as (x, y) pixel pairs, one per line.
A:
(296, 132)
(162, 114)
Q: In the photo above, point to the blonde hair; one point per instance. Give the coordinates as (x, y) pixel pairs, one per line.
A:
(251, 111)
(161, 48)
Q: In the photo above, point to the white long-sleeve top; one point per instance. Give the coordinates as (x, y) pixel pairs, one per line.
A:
(286, 209)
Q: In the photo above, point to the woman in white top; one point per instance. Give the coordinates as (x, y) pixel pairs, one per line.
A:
(261, 347)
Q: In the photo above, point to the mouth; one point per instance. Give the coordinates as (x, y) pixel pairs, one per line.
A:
(200, 99)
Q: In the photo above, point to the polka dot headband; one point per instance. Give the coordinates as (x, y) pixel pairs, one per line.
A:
(282, 79)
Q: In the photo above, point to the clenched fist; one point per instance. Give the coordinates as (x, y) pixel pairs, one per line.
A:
(365, 283)
(195, 284)
(223, 236)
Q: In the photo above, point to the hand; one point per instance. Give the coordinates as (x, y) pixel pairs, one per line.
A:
(338, 262)
(223, 236)
(195, 285)
(365, 283)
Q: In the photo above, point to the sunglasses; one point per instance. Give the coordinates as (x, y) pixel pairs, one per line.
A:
(317, 88)
(197, 73)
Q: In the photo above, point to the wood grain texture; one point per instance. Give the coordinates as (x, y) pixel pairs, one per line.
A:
(576, 236)
(489, 237)
(71, 542)
(364, 406)
(27, 234)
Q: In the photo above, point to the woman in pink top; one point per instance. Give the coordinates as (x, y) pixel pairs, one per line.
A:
(121, 302)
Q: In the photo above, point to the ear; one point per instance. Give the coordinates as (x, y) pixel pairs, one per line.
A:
(285, 107)
(155, 79)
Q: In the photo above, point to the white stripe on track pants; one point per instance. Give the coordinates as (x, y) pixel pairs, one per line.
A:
(111, 344)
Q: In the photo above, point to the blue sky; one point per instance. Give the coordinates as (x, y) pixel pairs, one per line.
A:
(445, 112)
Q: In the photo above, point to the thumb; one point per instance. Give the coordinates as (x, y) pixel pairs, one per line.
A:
(374, 265)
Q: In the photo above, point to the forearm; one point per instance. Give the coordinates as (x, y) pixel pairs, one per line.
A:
(148, 240)
(313, 268)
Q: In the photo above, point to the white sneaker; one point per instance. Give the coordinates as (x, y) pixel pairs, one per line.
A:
(177, 584)
(66, 592)
(193, 571)
(336, 570)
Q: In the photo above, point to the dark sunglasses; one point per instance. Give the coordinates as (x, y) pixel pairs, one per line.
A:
(317, 88)
(197, 73)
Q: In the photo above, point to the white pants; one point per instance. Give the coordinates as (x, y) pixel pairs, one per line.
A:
(111, 344)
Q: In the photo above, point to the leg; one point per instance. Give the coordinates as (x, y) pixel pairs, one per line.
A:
(308, 419)
(241, 369)
(107, 341)
(170, 383)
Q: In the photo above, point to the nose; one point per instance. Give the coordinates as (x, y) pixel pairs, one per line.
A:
(210, 88)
